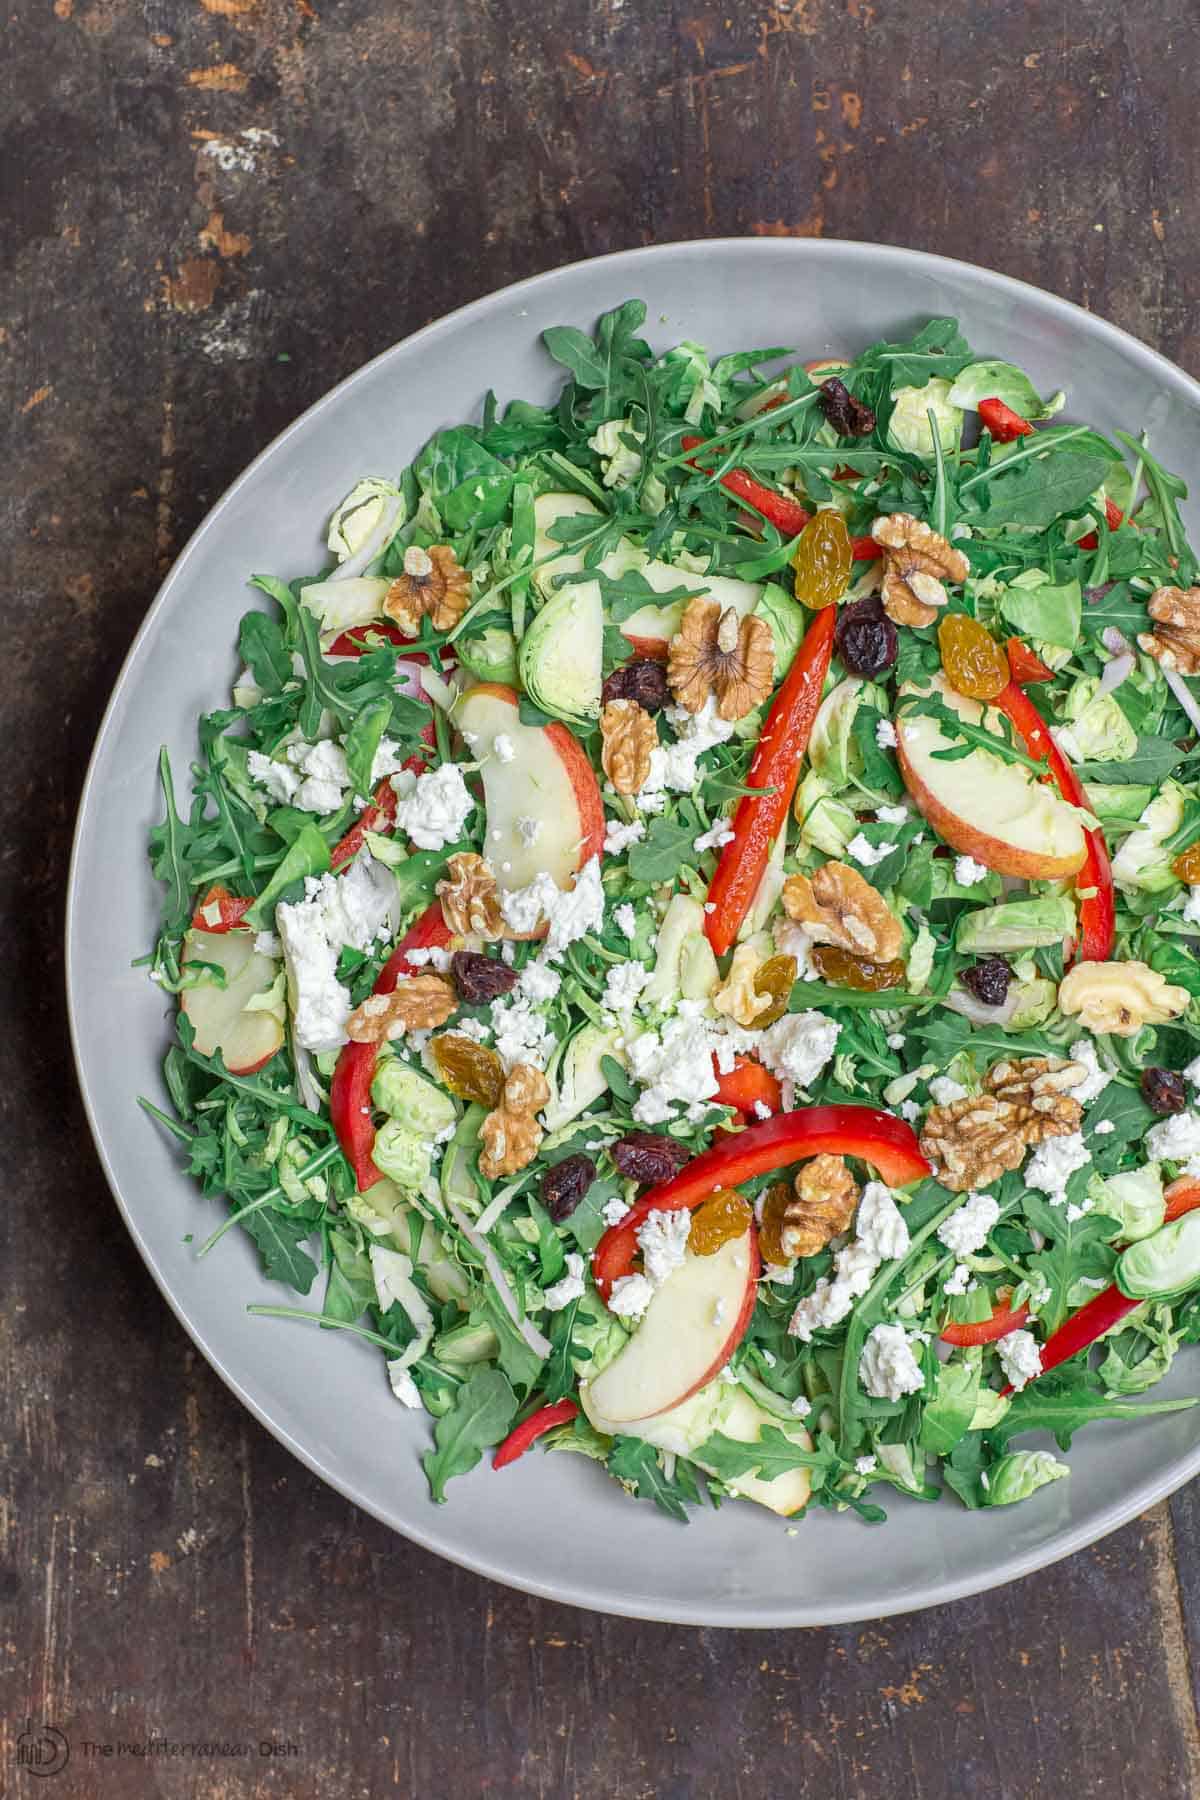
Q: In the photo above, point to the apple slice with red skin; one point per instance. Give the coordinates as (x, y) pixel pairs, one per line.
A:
(218, 1015)
(548, 778)
(689, 1331)
(996, 811)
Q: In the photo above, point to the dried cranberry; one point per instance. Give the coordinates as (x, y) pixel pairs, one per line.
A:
(988, 980)
(1163, 1091)
(643, 680)
(564, 1186)
(848, 416)
(480, 979)
(865, 637)
(647, 1157)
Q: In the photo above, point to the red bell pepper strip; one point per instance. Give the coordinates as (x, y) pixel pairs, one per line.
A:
(1183, 1196)
(531, 1429)
(1097, 913)
(879, 1138)
(228, 906)
(350, 1089)
(354, 641)
(780, 509)
(775, 764)
(379, 816)
(1023, 665)
(748, 1085)
(1003, 423)
(1115, 519)
(986, 1331)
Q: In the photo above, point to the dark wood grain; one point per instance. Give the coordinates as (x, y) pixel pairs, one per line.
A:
(174, 291)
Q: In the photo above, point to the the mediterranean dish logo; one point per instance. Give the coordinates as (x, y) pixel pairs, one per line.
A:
(42, 1749)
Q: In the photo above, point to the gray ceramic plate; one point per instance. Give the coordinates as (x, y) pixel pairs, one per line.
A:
(553, 1525)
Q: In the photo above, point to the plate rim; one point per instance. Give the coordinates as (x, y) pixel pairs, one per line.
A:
(1017, 1564)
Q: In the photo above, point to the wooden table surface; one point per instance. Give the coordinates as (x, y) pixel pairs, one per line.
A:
(213, 210)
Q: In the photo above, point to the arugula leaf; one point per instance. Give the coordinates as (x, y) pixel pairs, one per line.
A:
(624, 595)
(482, 1414)
(350, 1288)
(939, 348)
(1062, 1403)
(635, 1464)
(964, 1468)
(362, 741)
(880, 772)
(1152, 761)
(168, 853)
(262, 648)
(469, 486)
(666, 847)
(1039, 489)
(308, 854)
(602, 365)
(617, 1079)
(1078, 1250)
(774, 1454)
(280, 1240)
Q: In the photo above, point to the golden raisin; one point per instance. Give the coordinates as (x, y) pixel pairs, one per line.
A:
(846, 970)
(1187, 863)
(823, 560)
(774, 977)
(775, 1205)
(724, 1215)
(470, 1070)
(974, 662)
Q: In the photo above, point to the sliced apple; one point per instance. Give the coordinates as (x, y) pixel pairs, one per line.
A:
(547, 779)
(689, 1331)
(651, 628)
(222, 1017)
(724, 1407)
(983, 806)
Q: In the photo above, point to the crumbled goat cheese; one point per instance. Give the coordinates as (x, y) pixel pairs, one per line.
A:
(957, 1283)
(435, 811)
(1191, 907)
(716, 839)
(522, 1035)
(792, 940)
(1176, 1139)
(909, 1110)
(674, 766)
(1053, 1162)
(529, 831)
(538, 982)
(1097, 1079)
(1020, 1357)
(1103, 1127)
(833, 1298)
(892, 815)
(630, 1296)
(802, 1406)
(626, 919)
(402, 1383)
(280, 781)
(571, 1287)
(570, 915)
(622, 986)
(761, 1110)
(434, 953)
(966, 1231)
(1191, 1072)
(663, 1241)
(337, 911)
(614, 1210)
(879, 1226)
(885, 734)
(267, 944)
(618, 836)
(866, 1465)
(672, 1067)
(943, 1090)
(503, 748)
(326, 776)
(866, 853)
(798, 1046)
(895, 1040)
(968, 872)
(887, 1368)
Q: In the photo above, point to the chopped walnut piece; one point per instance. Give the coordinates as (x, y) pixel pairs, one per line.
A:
(824, 1203)
(629, 735)
(1176, 642)
(916, 564)
(839, 906)
(416, 1003)
(433, 583)
(511, 1134)
(470, 898)
(972, 1142)
(715, 652)
(1120, 997)
(1040, 1082)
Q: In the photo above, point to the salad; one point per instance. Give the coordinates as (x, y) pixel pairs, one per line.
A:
(684, 934)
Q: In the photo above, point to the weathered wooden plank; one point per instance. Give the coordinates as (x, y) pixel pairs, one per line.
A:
(211, 214)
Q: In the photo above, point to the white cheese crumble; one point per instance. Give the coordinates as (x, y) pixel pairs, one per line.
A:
(1191, 907)
(402, 1383)
(626, 919)
(674, 766)
(866, 1465)
(1096, 1080)
(622, 986)
(522, 1035)
(797, 1047)
(571, 1286)
(879, 1226)
(1177, 1139)
(895, 1040)
(959, 1281)
(337, 911)
(630, 1296)
(435, 811)
(1020, 1358)
(716, 839)
(614, 1210)
(267, 944)
(538, 982)
(968, 872)
(1055, 1161)
(885, 734)
(966, 1231)
(761, 1110)
(1103, 1128)
(866, 853)
(569, 915)
(887, 1368)
(434, 953)
(802, 1406)
(663, 1241)
(943, 1090)
(892, 815)
(1191, 1072)
(618, 836)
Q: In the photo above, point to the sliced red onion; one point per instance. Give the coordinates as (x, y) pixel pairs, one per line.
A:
(1115, 641)
(374, 544)
(407, 680)
(1116, 671)
(491, 1262)
(1184, 695)
(960, 1001)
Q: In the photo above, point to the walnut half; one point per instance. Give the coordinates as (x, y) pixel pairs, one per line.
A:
(972, 1142)
(917, 562)
(416, 1003)
(839, 906)
(629, 736)
(470, 898)
(511, 1133)
(715, 652)
(1037, 1081)
(1175, 642)
(433, 583)
(1120, 997)
(825, 1199)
